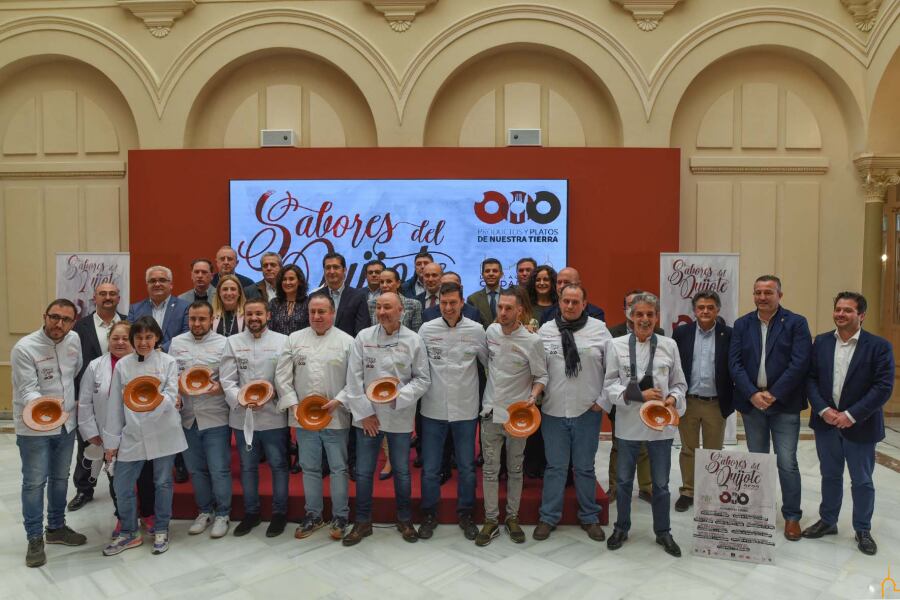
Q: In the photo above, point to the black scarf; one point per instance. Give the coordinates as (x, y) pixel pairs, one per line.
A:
(567, 330)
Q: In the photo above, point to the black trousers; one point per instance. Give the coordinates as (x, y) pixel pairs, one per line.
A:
(82, 475)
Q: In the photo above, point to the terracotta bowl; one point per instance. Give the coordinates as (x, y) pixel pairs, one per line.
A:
(142, 394)
(656, 415)
(256, 393)
(383, 390)
(44, 414)
(310, 413)
(523, 420)
(195, 381)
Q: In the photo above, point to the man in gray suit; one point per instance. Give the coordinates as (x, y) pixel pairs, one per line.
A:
(201, 277)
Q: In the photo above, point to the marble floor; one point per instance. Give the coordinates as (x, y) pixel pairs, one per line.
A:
(568, 565)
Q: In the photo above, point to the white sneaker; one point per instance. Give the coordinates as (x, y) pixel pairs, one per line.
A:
(160, 542)
(219, 528)
(200, 523)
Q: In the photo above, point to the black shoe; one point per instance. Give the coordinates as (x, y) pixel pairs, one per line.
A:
(646, 496)
(819, 529)
(181, 474)
(351, 473)
(295, 468)
(65, 536)
(445, 477)
(382, 475)
(865, 543)
(250, 521)
(417, 463)
(683, 503)
(426, 529)
(668, 543)
(470, 530)
(616, 540)
(79, 500)
(35, 556)
(276, 525)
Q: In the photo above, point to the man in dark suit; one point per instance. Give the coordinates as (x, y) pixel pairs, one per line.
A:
(524, 268)
(703, 347)
(570, 276)
(850, 379)
(468, 311)
(169, 312)
(226, 262)
(270, 263)
(352, 310)
(431, 278)
(414, 286)
(485, 299)
(769, 359)
(93, 331)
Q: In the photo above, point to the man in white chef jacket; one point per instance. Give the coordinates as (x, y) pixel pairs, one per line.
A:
(387, 349)
(454, 345)
(205, 422)
(314, 361)
(643, 366)
(252, 355)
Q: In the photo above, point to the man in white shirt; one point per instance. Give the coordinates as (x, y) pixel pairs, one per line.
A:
(385, 350)
(574, 344)
(643, 366)
(517, 371)
(251, 355)
(454, 345)
(270, 264)
(205, 421)
(314, 361)
(44, 363)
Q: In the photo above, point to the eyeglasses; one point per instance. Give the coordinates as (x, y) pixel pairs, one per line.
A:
(158, 280)
(60, 319)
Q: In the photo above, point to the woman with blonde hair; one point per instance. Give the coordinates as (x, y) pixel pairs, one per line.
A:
(228, 306)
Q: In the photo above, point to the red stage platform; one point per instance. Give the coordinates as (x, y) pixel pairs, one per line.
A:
(383, 505)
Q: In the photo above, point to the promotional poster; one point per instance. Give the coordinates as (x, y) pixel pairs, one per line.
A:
(78, 273)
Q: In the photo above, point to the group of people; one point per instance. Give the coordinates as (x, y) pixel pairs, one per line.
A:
(460, 362)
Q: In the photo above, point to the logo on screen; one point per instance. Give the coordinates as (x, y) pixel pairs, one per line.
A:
(494, 208)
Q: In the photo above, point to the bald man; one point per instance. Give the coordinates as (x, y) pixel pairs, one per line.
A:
(570, 276)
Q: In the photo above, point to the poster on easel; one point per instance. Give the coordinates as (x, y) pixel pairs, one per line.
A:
(78, 273)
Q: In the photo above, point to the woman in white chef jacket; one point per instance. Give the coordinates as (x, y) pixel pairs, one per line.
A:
(133, 438)
(93, 400)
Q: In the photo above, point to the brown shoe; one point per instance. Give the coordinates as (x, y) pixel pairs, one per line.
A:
(542, 531)
(792, 530)
(408, 532)
(359, 531)
(594, 531)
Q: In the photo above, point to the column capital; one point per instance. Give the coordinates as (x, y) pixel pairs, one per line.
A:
(877, 173)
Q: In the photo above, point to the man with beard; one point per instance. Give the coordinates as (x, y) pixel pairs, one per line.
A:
(251, 355)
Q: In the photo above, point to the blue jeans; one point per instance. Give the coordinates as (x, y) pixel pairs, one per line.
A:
(45, 463)
(367, 449)
(334, 441)
(577, 439)
(434, 433)
(784, 430)
(660, 452)
(834, 450)
(274, 443)
(126, 476)
(208, 458)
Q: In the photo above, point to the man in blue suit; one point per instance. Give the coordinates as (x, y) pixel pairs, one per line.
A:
(850, 380)
(769, 359)
(414, 286)
(169, 312)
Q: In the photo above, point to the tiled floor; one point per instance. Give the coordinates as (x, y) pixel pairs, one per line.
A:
(568, 565)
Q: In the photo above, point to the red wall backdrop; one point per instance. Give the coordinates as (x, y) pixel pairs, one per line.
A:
(623, 202)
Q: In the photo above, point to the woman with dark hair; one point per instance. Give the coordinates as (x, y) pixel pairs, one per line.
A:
(134, 438)
(288, 307)
(541, 288)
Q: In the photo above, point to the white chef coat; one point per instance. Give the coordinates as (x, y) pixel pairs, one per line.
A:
(41, 367)
(515, 363)
(246, 359)
(453, 353)
(315, 364)
(376, 354)
(571, 397)
(667, 376)
(144, 435)
(93, 396)
(209, 410)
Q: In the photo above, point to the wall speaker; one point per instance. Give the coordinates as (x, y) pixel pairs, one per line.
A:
(277, 138)
(523, 137)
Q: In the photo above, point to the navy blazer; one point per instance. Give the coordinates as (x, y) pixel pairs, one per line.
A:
(468, 311)
(90, 345)
(353, 311)
(685, 336)
(867, 387)
(408, 287)
(174, 323)
(593, 311)
(788, 349)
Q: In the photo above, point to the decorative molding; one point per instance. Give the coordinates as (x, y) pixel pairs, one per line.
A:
(400, 13)
(158, 15)
(877, 172)
(759, 165)
(62, 170)
(864, 12)
(647, 13)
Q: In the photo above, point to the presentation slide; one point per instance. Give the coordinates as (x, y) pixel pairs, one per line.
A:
(459, 221)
